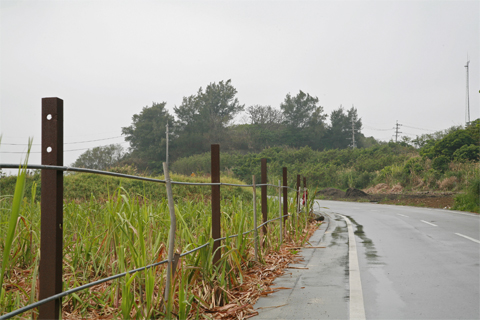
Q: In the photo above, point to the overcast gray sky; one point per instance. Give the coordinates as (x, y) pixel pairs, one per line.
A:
(392, 60)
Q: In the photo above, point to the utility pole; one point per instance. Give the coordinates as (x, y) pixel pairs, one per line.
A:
(353, 120)
(166, 156)
(467, 99)
(353, 133)
(397, 126)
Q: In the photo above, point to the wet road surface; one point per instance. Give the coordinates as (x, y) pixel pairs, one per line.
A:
(415, 263)
(318, 289)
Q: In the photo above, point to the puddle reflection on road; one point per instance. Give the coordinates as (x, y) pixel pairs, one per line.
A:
(370, 251)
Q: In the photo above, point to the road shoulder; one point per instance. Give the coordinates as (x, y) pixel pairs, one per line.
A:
(319, 289)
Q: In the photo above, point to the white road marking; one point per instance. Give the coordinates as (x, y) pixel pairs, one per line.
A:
(429, 223)
(402, 215)
(357, 308)
(467, 237)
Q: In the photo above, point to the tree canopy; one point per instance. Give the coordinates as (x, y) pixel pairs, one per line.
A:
(147, 136)
(100, 158)
(203, 118)
(207, 116)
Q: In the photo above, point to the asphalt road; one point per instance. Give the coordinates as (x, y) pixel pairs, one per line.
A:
(415, 263)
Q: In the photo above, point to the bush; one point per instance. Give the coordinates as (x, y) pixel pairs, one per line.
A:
(363, 180)
(465, 153)
(469, 201)
(440, 163)
(413, 166)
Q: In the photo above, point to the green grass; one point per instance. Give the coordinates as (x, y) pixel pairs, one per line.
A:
(470, 200)
(126, 230)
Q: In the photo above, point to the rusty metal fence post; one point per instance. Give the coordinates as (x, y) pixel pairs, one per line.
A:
(280, 211)
(215, 178)
(298, 194)
(264, 197)
(255, 231)
(285, 194)
(51, 231)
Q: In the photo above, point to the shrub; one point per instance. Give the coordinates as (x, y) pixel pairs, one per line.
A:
(413, 166)
(469, 201)
(448, 183)
(364, 179)
(440, 163)
(465, 153)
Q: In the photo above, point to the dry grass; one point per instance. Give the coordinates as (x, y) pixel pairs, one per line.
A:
(257, 281)
(449, 183)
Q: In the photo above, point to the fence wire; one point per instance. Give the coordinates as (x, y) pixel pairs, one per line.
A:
(123, 274)
(121, 175)
(128, 176)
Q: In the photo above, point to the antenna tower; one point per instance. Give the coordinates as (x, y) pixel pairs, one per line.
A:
(467, 98)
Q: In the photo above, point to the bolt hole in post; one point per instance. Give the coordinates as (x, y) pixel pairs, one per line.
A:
(49, 149)
(49, 117)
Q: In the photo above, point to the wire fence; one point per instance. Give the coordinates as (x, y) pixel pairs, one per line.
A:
(120, 175)
(128, 176)
(52, 206)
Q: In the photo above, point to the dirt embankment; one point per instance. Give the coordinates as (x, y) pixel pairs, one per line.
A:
(382, 193)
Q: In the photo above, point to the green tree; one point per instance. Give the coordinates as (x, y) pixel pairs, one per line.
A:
(339, 134)
(473, 130)
(100, 158)
(203, 118)
(440, 163)
(465, 153)
(428, 140)
(298, 110)
(147, 137)
(266, 128)
(451, 143)
(304, 120)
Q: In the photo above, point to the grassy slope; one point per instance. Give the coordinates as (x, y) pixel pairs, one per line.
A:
(116, 231)
(359, 168)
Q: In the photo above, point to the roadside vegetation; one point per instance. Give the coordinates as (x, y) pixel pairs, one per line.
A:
(113, 225)
(447, 161)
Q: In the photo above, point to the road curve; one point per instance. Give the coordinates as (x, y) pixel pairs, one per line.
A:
(415, 263)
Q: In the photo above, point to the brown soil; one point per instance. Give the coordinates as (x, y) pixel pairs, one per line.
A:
(332, 192)
(385, 194)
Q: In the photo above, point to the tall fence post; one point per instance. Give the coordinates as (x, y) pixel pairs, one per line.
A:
(51, 231)
(280, 211)
(215, 178)
(285, 194)
(298, 192)
(264, 197)
(173, 222)
(255, 231)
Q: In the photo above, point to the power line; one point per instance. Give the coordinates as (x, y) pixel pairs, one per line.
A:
(76, 142)
(63, 150)
(92, 140)
(371, 128)
(419, 128)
